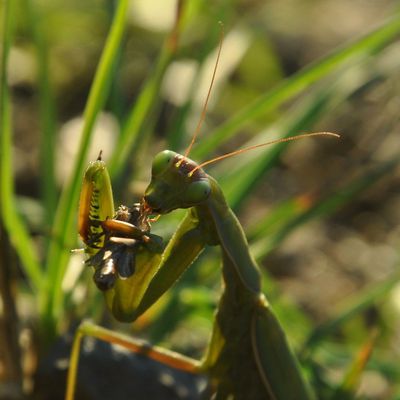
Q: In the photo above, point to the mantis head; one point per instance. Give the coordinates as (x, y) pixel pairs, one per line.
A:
(175, 183)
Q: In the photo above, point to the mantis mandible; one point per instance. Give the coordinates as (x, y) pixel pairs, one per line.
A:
(248, 356)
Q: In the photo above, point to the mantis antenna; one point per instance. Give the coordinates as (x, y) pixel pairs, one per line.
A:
(203, 113)
(288, 139)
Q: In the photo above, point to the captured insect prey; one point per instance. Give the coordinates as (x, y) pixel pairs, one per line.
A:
(124, 236)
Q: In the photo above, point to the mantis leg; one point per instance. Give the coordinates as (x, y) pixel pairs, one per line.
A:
(246, 333)
(276, 363)
(173, 359)
(248, 341)
(248, 355)
(132, 297)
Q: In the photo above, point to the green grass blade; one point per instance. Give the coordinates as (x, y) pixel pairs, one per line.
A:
(65, 220)
(147, 100)
(351, 380)
(354, 306)
(273, 221)
(47, 116)
(239, 182)
(15, 226)
(322, 207)
(367, 44)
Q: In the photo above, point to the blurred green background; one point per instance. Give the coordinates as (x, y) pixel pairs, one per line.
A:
(321, 214)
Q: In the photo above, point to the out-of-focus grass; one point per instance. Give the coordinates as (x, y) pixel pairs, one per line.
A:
(298, 82)
(17, 230)
(47, 113)
(64, 221)
(325, 88)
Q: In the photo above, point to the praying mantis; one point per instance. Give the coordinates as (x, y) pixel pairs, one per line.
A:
(248, 356)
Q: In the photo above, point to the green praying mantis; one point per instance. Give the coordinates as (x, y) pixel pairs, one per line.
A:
(248, 356)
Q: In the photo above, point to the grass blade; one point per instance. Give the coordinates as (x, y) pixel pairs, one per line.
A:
(64, 225)
(47, 115)
(347, 389)
(323, 207)
(353, 307)
(146, 101)
(238, 182)
(15, 226)
(367, 44)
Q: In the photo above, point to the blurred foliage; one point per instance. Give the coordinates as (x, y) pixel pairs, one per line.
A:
(321, 215)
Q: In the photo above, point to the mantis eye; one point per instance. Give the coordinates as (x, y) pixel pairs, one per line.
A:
(162, 161)
(197, 192)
